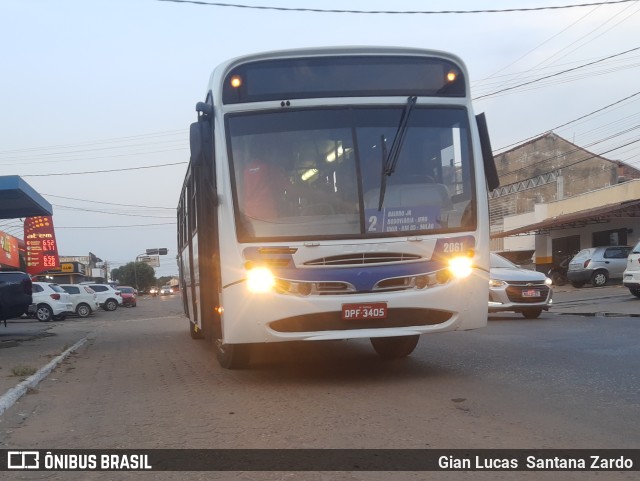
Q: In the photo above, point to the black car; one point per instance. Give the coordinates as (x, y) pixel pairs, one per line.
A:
(15, 295)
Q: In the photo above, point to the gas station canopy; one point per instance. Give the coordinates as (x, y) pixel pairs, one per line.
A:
(18, 199)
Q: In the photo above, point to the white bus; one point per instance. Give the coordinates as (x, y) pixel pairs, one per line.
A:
(335, 193)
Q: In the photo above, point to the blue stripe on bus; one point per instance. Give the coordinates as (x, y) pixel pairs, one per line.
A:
(363, 278)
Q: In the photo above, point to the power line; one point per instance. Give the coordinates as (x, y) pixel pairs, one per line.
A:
(100, 141)
(109, 203)
(588, 73)
(103, 171)
(393, 12)
(497, 81)
(577, 149)
(624, 19)
(540, 45)
(555, 74)
(571, 121)
(23, 156)
(601, 154)
(111, 156)
(548, 59)
(113, 226)
(111, 213)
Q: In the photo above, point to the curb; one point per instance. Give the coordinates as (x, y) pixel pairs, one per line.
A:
(9, 398)
(597, 314)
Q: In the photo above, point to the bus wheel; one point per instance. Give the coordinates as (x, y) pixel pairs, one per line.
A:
(232, 356)
(196, 332)
(394, 347)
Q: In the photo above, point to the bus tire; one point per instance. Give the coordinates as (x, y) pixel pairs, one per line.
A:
(196, 333)
(232, 356)
(394, 347)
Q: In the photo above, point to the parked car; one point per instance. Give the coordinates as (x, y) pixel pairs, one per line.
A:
(598, 265)
(129, 296)
(108, 297)
(83, 298)
(15, 295)
(631, 275)
(165, 290)
(52, 302)
(514, 289)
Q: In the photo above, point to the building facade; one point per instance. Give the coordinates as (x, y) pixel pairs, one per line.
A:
(556, 198)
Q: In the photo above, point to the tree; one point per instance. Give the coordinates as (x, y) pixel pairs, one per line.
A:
(141, 272)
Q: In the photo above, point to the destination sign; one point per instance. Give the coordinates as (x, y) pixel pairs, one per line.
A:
(404, 219)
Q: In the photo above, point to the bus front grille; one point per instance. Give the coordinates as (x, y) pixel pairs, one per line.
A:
(363, 258)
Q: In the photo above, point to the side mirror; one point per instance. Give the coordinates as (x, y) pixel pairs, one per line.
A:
(200, 134)
(490, 170)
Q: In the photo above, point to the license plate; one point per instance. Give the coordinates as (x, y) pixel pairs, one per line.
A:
(531, 293)
(356, 312)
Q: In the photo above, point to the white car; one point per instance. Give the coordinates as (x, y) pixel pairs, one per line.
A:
(108, 297)
(52, 302)
(84, 299)
(631, 275)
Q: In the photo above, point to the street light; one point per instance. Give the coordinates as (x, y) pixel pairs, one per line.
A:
(161, 251)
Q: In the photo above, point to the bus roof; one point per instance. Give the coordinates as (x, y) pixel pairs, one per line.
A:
(264, 72)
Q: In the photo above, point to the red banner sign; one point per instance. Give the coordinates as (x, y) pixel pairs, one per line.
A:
(9, 250)
(42, 250)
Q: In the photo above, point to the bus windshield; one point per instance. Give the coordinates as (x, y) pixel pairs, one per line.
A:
(318, 173)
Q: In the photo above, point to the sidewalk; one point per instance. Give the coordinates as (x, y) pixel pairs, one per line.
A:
(609, 301)
(27, 345)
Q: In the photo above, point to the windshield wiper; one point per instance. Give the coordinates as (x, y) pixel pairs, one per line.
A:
(390, 162)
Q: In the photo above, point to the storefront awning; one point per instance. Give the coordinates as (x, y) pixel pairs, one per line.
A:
(18, 199)
(597, 215)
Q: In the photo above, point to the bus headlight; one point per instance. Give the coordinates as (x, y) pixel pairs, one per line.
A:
(461, 266)
(260, 280)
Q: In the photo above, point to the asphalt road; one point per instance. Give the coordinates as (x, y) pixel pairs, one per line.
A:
(140, 381)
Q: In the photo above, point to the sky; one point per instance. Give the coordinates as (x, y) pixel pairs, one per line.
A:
(112, 85)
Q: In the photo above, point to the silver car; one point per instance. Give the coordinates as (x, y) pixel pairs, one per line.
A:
(512, 288)
(597, 265)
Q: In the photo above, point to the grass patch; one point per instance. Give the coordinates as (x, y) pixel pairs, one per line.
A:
(23, 371)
